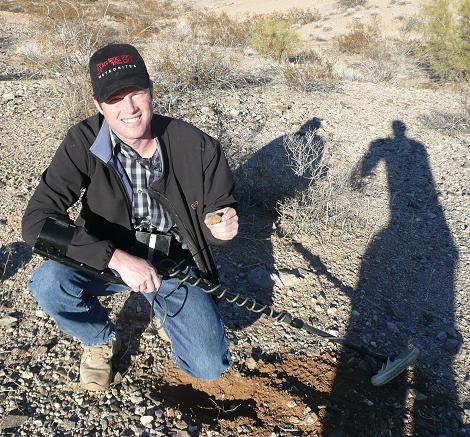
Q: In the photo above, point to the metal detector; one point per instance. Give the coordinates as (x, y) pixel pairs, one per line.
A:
(57, 234)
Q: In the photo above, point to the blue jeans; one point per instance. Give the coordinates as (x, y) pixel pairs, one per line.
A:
(193, 322)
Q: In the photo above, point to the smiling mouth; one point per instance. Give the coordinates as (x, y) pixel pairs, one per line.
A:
(130, 120)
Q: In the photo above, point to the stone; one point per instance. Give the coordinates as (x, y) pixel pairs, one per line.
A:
(332, 311)
(251, 363)
(104, 423)
(136, 399)
(311, 419)
(291, 404)
(181, 424)
(441, 336)
(260, 278)
(8, 96)
(289, 278)
(8, 321)
(146, 421)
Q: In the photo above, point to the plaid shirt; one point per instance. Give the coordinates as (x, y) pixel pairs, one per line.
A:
(147, 213)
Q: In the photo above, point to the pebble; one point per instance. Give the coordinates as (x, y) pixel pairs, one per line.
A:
(104, 423)
(260, 278)
(136, 399)
(289, 278)
(291, 404)
(146, 421)
(311, 419)
(8, 321)
(332, 311)
(8, 96)
(251, 363)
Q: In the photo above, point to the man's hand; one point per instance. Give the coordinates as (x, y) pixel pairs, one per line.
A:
(227, 226)
(136, 272)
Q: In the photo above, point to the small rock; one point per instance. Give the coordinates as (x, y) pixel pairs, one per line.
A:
(104, 423)
(321, 297)
(289, 278)
(136, 399)
(311, 419)
(260, 278)
(251, 363)
(181, 424)
(355, 313)
(368, 402)
(332, 311)
(8, 321)
(8, 96)
(146, 421)
(291, 404)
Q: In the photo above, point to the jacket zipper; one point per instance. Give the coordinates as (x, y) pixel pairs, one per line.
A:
(169, 206)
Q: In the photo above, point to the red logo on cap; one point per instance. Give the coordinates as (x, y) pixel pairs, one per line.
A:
(115, 60)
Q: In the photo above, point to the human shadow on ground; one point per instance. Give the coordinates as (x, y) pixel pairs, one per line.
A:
(404, 294)
(263, 180)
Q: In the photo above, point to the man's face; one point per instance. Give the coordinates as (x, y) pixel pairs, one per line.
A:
(128, 113)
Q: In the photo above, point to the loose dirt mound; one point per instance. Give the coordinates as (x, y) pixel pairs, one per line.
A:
(291, 393)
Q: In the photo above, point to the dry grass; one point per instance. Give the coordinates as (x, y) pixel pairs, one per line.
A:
(309, 72)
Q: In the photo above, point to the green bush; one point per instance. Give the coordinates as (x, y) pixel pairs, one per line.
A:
(274, 38)
(447, 37)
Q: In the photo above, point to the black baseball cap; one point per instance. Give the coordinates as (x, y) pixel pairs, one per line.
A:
(115, 67)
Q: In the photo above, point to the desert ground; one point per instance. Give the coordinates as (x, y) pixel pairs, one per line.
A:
(381, 258)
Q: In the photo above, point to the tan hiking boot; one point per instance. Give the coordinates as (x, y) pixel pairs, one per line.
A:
(96, 366)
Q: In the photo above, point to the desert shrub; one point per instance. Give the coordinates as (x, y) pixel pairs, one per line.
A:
(346, 4)
(219, 29)
(309, 73)
(329, 206)
(328, 203)
(305, 153)
(446, 34)
(185, 67)
(274, 38)
(139, 20)
(359, 40)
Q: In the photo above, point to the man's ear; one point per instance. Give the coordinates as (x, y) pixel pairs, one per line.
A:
(97, 105)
